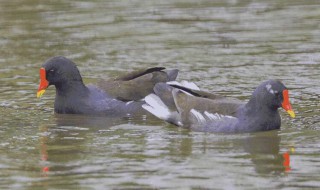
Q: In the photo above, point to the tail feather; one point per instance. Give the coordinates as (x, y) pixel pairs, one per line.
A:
(185, 84)
(163, 105)
(156, 106)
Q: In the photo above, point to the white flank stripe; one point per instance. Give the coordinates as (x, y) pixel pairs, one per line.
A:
(129, 103)
(198, 115)
(216, 116)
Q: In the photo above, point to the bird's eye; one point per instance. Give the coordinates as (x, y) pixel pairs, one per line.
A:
(276, 93)
(51, 70)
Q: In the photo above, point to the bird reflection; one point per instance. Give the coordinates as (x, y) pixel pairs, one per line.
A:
(89, 121)
(66, 140)
(264, 152)
(263, 148)
(68, 135)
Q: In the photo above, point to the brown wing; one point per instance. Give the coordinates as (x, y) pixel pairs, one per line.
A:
(136, 85)
(135, 74)
(223, 106)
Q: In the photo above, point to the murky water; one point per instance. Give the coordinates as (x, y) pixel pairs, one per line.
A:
(227, 47)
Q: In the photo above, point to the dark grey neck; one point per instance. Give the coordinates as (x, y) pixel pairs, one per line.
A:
(71, 98)
(256, 117)
(71, 89)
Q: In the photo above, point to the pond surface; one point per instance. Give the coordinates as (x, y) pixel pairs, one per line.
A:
(226, 47)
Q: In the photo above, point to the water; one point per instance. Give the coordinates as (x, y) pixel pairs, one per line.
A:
(226, 47)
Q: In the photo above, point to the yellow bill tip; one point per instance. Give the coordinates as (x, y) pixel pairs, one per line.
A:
(292, 150)
(40, 93)
(291, 113)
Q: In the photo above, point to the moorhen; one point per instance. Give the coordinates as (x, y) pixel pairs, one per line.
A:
(204, 111)
(119, 96)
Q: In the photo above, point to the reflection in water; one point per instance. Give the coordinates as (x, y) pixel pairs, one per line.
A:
(87, 121)
(99, 122)
(111, 148)
(60, 148)
(264, 150)
(66, 141)
(43, 139)
(286, 161)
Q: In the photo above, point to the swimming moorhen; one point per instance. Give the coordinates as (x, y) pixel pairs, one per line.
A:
(119, 96)
(203, 111)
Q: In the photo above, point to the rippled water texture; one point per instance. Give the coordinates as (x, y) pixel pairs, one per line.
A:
(227, 47)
